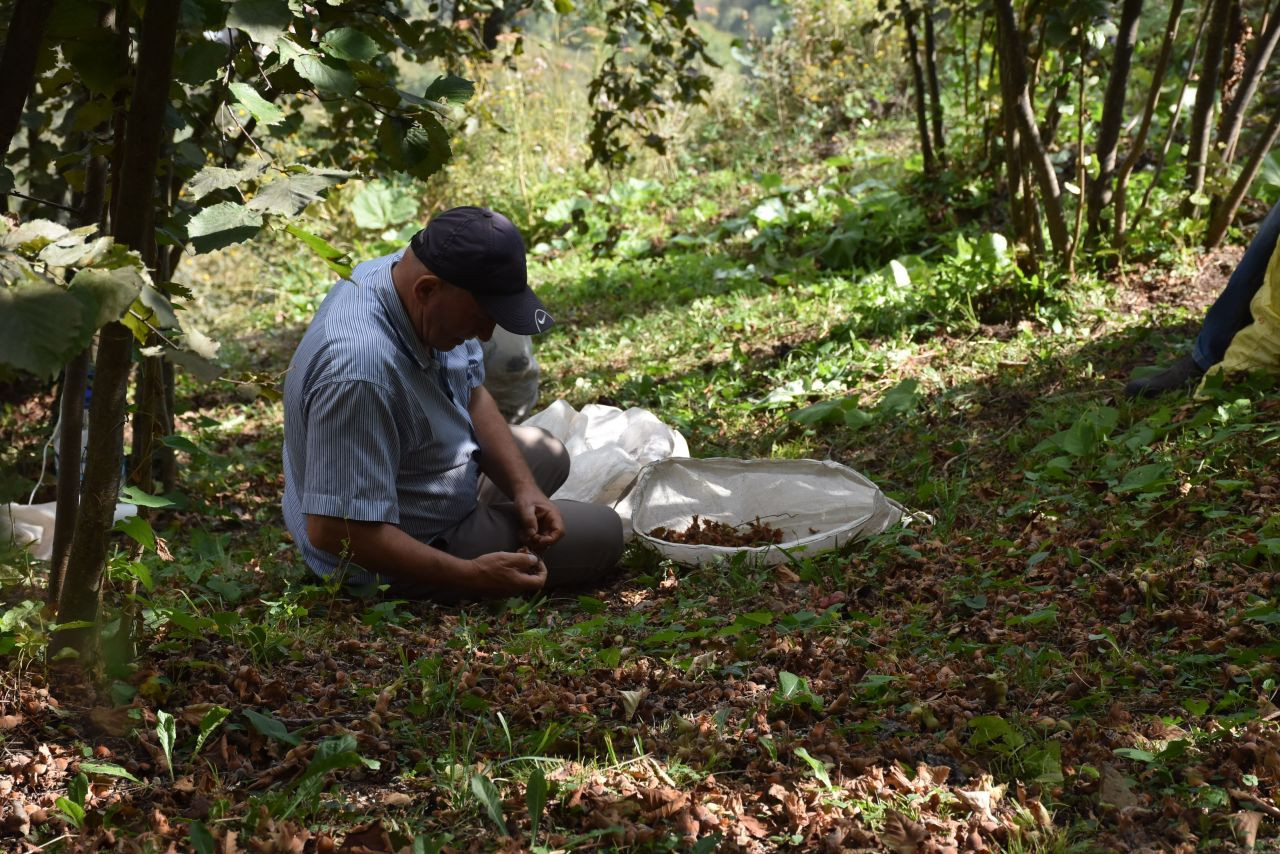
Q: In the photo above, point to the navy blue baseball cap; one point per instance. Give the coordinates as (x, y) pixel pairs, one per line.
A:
(482, 252)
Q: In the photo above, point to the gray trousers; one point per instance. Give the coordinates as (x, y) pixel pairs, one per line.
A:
(589, 550)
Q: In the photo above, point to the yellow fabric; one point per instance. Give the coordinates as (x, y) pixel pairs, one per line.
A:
(1257, 346)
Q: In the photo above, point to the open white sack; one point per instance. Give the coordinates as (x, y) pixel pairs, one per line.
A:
(818, 505)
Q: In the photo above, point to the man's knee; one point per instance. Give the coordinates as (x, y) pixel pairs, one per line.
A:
(591, 546)
(546, 455)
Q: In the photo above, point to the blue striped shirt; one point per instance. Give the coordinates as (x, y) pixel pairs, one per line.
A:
(376, 423)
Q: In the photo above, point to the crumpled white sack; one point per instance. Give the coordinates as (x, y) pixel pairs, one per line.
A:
(607, 447)
(31, 525)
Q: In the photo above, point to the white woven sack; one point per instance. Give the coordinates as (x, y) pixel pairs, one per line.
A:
(818, 505)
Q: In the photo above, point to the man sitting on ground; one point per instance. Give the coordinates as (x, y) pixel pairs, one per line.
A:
(1229, 314)
(399, 468)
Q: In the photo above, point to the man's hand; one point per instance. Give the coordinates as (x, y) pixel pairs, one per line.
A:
(541, 523)
(507, 574)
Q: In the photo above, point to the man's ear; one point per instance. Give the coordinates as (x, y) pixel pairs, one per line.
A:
(425, 284)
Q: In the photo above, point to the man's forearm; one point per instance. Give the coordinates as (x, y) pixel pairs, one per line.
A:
(500, 457)
(387, 550)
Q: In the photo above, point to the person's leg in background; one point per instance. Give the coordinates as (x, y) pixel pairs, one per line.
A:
(1227, 316)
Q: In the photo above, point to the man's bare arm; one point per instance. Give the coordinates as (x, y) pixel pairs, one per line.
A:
(387, 550)
(502, 462)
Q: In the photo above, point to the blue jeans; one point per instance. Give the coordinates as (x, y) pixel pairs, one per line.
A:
(1230, 312)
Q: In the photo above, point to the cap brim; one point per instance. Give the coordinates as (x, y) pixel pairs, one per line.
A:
(522, 313)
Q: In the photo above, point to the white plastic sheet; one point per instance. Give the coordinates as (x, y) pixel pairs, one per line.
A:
(607, 447)
(31, 525)
(818, 505)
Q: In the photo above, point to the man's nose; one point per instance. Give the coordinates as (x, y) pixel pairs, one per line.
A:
(486, 329)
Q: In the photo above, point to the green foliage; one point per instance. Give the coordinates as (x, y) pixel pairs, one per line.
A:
(57, 288)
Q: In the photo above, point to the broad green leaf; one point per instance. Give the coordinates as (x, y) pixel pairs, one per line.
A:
(535, 798)
(1135, 754)
(290, 196)
(222, 225)
(349, 44)
(76, 249)
(107, 769)
(818, 767)
(379, 206)
(151, 309)
(104, 296)
(73, 811)
(208, 724)
(212, 178)
(271, 728)
(78, 788)
(182, 443)
(333, 257)
(707, 844)
(139, 530)
(97, 62)
(263, 20)
(259, 107)
(32, 235)
(450, 89)
(419, 148)
(40, 327)
(789, 684)
(900, 399)
(203, 369)
(1152, 477)
(143, 574)
(201, 838)
(134, 495)
(326, 75)
(200, 62)
(331, 754)
(826, 412)
(487, 794)
(167, 732)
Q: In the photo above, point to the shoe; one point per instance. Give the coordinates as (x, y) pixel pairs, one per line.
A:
(1180, 375)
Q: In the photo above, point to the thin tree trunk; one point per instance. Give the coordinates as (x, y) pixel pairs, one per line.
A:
(1081, 171)
(1194, 54)
(1112, 117)
(1138, 146)
(1011, 65)
(1226, 211)
(1013, 162)
(964, 61)
(75, 378)
(917, 81)
(1233, 114)
(935, 95)
(1206, 93)
(82, 586)
(18, 63)
(168, 458)
(71, 411)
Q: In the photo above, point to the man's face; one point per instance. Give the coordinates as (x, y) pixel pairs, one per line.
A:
(447, 315)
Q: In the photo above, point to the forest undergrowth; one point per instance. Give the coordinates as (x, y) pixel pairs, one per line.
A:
(1074, 651)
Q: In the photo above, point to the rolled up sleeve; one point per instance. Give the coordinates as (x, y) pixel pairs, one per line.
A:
(352, 453)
